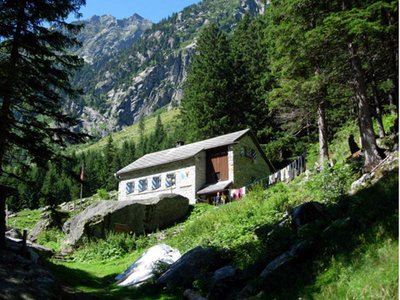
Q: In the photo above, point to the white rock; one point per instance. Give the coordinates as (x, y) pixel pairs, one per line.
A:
(145, 266)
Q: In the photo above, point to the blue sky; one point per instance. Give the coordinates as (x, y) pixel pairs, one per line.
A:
(153, 10)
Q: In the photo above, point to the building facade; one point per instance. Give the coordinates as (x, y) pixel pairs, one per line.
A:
(197, 171)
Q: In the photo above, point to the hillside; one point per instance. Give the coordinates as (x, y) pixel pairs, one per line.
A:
(131, 133)
(252, 232)
(131, 71)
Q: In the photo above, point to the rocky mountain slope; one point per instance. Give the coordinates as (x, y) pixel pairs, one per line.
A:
(131, 71)
(104, 35)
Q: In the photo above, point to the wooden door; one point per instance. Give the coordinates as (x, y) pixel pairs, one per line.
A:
(217, 165)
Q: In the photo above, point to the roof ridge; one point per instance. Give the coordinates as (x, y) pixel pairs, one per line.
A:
(182, 152)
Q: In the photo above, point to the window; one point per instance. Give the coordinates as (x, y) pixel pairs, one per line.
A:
(130, 187)
(248, 152)
(170, 180)
(252, 154)
(142, 185)
(156, 182)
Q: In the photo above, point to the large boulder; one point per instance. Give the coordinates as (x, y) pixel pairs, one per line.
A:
(14, 233)
(50, 218)
(147, 265)
(131, 216)
(40, 226)
(295, 252)
(306, 213)
(190, 267)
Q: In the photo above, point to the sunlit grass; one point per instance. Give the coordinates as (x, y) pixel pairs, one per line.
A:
(371, 273)
(25, 219)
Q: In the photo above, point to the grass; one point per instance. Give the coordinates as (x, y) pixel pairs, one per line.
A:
(25, 219)
(51, 238)
(97, 278)
(369, 274)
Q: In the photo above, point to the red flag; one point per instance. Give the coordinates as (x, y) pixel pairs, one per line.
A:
(82, 176)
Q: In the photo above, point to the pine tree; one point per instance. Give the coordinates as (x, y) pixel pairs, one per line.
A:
(50, 189)
(110, 156)
(207, 107)
(142, 139)
(159, 133)
(351, 25)
(250, 68)
(301, 66)
(34, 79)
(156, 139)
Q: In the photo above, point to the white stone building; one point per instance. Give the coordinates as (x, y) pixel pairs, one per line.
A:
(197, 171)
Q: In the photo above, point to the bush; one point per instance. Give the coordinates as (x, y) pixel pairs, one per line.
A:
(330, 183)
(52, 238)
(103, 194)
(114, 246)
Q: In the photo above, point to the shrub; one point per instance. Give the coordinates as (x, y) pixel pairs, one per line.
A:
(330, 183)
(103, 194)
(114, 246)
(52, 238)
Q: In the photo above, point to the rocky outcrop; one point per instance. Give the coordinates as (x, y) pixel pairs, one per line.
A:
(308, 212)
(14, 233)
(149, 263)
(34, 250)
(104, 35)
(151, 89)
(49, 218)
(295, 252)
(132, 216)
(390, 163)
(189, 267)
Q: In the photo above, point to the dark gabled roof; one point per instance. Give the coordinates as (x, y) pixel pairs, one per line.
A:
(182, 152)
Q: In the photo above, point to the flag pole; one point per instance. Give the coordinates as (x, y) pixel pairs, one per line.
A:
(82, 178)
(81, 194)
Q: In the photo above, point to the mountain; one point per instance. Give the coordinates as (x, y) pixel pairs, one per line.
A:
(105, 34)
(133, 67)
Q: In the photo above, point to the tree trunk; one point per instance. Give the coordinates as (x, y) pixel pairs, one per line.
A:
(378, 111)
(322, 134)
(2, 219)
(368, 140)
(375, 97)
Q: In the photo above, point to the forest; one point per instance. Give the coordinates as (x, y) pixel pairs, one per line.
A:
(294, 75)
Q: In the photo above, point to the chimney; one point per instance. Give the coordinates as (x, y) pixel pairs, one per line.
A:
(179, 143)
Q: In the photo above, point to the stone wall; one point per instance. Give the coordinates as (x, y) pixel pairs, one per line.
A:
(231, 164)
(188, 180)
(200, 170)
(246, 168)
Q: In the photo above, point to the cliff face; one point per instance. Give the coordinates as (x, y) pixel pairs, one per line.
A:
(134, 67)
(105, 35)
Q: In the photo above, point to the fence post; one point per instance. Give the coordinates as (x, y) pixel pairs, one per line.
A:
(24, 237)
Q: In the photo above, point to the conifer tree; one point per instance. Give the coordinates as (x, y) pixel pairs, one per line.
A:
(250, 66)
(110, 164)
(34, 79)
(142, 139)
(301, 66)
(350, 26)
(156, 139)
(159, 133)
(207, 106)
